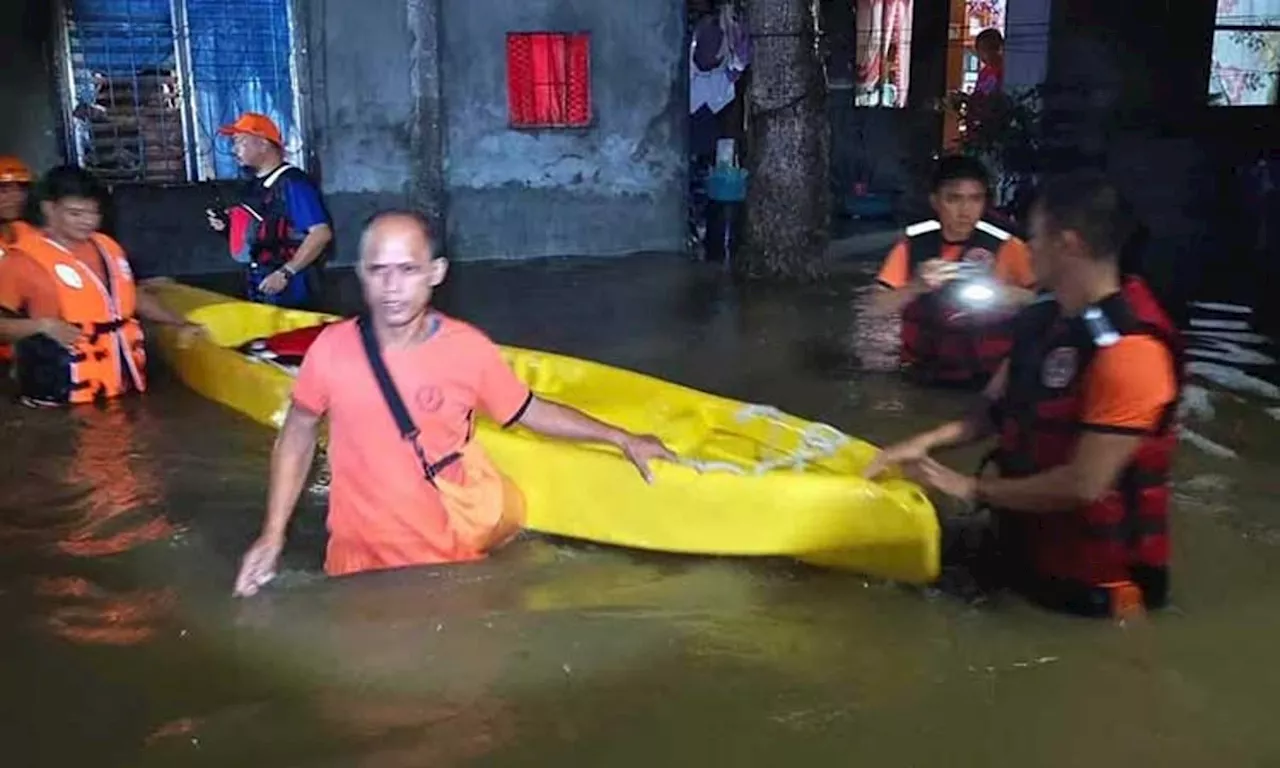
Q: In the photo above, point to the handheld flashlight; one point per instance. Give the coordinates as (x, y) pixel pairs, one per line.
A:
(977, 292)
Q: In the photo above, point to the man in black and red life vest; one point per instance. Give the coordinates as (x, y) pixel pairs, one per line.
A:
(280, 227)
(957, 279)
(1084, 414)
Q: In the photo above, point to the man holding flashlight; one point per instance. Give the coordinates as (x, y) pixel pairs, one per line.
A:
(1084, 415)
(957, 280)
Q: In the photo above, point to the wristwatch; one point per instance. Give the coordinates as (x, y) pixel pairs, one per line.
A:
(288, 271)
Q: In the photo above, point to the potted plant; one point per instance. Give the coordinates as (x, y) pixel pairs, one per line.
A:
(1004, 131)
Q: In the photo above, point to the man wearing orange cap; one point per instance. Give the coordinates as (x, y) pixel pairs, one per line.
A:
(15, 180)
(280, 226)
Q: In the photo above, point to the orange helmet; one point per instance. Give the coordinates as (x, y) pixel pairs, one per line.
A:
(14, 171)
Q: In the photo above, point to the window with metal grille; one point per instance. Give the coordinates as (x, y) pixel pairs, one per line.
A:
(147, 83)
(549, 79)
(1245, 70)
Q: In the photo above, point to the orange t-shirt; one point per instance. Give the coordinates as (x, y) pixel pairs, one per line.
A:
(1129, 384)
(1012, 265)
(379, 501)
(17, 233)
(27, 289)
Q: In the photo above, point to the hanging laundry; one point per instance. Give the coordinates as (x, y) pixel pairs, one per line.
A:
(709, 83)
(718, 55)
(737, 42)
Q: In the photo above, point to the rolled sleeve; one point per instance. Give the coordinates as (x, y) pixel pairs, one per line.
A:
(1013, 264)
(305, 205)
(311, 388)
(502, 395)
(1129, 386)
(895, 273)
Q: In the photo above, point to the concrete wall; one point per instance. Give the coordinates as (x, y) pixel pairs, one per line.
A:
(615, 187)
(29, 128)
(376, 78)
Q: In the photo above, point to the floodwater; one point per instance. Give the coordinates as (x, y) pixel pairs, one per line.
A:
(120, 646)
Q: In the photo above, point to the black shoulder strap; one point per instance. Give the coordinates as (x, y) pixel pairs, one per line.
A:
(404, 422)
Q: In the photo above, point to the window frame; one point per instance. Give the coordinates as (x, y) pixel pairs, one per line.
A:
(1213, 34)
(565, 36)
(197, 144)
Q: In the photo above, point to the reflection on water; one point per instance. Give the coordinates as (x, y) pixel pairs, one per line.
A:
(83, 613)
(120, 531)
(117, 482)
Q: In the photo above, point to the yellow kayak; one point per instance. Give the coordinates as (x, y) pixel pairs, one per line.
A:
(753, 482)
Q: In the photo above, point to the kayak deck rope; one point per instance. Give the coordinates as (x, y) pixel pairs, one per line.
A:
(817, 442)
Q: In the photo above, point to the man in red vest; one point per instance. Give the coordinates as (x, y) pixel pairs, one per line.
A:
(1084, 413)
(957, 279)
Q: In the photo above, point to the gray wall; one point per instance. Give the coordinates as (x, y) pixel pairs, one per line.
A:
(29, 128)
(616, 187)
(376, 79)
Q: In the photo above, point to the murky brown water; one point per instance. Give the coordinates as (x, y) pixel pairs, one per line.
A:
(119, 645)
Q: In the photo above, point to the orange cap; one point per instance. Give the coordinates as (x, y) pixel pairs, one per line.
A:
(254, 124)
(14, 171)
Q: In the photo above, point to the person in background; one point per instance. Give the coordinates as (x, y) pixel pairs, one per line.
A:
(15, 182)
(280, 228)
(957, 280)
(390, 506)
(69, 304)
(1084, 413)
(989, 45)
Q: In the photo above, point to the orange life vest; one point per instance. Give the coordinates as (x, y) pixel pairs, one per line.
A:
(16, 236)
(110, 358)
(943, 341)
(1072, 557)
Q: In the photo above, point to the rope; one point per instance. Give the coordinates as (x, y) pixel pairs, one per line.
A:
(817, 442)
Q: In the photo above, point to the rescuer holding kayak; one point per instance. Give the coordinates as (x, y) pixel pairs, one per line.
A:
(400, 386)
(1084, 414)
(280, 227)
(957, 279)
(69, 303)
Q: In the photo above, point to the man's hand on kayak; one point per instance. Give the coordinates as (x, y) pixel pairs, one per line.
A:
(908, 451)
(561, 421)
(641, 449)
(931, 474)
(258, 567)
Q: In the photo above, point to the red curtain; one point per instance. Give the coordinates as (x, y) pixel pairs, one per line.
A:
(549, 79)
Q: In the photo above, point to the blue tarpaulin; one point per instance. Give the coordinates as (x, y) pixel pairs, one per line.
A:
(119, 38)
(239, 59)
(240, 63)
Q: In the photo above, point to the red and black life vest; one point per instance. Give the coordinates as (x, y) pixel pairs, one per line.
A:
(1123, 538)
(943, 341)
(286, 348)
(259, 227)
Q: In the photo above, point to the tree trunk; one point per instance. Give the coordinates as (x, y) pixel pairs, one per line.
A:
(788, 206)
